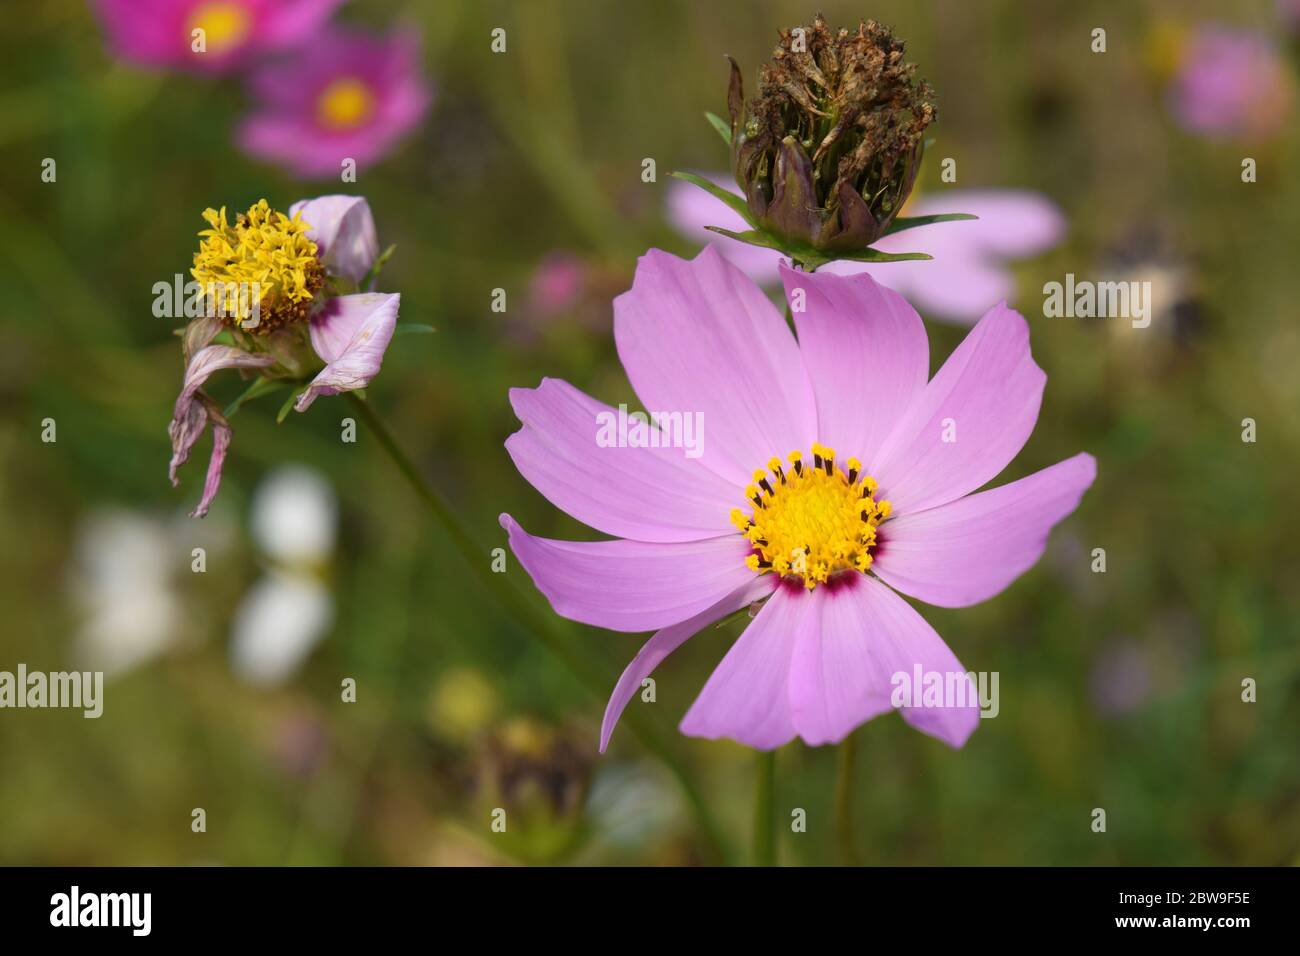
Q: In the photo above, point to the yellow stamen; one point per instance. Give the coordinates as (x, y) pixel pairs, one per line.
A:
(262, 272)
(345, 104)
(814, 523)
(225, 26)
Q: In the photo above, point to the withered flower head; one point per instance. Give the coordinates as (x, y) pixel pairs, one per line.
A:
(828, 150)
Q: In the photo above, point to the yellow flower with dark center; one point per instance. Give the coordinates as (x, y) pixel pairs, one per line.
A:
(260, 274)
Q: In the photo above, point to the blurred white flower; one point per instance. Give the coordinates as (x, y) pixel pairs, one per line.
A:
(295, 515)
(122, 583)
(289, 610)
(631, 806)
(276, 625)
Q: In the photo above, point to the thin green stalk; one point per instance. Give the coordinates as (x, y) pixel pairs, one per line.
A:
(540, 625)
(765, 808)
(845, 762)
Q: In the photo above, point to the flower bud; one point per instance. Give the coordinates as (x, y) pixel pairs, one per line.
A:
(827, 152)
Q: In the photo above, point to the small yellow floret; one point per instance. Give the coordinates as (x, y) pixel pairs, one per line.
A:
(263, 271)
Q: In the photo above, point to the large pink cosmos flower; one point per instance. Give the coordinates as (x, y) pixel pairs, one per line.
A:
(347, 95)
(702, 537)
(967, 275)
(348, 333)
(160, 33)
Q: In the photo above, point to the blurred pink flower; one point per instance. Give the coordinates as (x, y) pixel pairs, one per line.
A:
(347, 95)
(1231, 83)
(348, 333)
(556, 284)
(821, 656)
(160, 33)
(964, 279)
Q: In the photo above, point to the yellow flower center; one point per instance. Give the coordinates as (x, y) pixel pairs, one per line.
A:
(810, 522)
(225, 25)
(345, 103)
(261, 273)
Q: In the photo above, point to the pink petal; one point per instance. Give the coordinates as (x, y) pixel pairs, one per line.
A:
(866, 353)
(986, 397)
(961, 289)
(344, 232)
(290, 21)
(194, 409)
(149, 32)
(970, 549)
(1012, 224)
(207, 361)
(221, 435)
(666, 641)
(967, 275)
(747, 696)
(843, 668)
(699, 336)
(648, 494)
(351, 334)
(631, 585)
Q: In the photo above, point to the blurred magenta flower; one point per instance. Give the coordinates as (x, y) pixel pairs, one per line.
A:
(160, 33)
(347, 95)
(556, 284)
(704, 534)
(967, 275)
(308, 268)
(1231, 83)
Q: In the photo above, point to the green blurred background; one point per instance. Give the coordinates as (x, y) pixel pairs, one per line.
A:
(1119, 690)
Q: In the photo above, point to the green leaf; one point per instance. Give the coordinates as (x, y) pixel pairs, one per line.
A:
(911, 222)
(260, 386)
(737, 203)
(412, 327)
(811, 258)
(721, 125)
(373, 274)
(875, 255)
(753, 236)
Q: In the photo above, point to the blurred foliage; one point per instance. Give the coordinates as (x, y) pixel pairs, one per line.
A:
(539, 150)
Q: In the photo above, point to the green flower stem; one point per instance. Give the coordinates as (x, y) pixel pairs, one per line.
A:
(541, 626)
(765, 808)
(845, 762)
